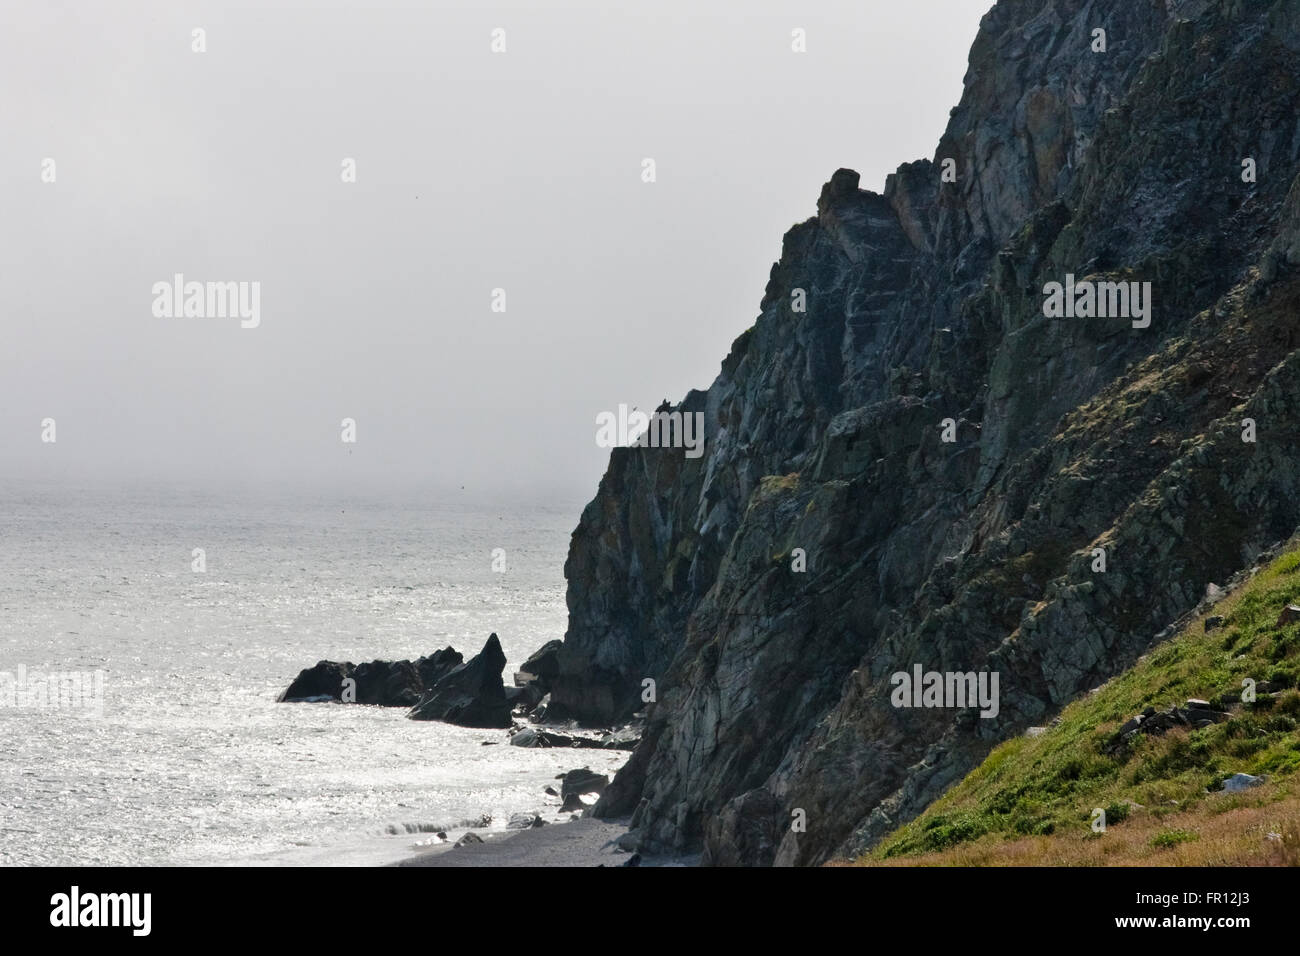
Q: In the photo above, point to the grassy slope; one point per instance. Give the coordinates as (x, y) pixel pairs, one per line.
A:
(1031, 802)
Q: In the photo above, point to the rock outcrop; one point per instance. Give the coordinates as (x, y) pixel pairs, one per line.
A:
(1195, 715)
(471, 694)
(437, 665)
(625, 738)
(541, 669)
(384, 683)
(922, 467)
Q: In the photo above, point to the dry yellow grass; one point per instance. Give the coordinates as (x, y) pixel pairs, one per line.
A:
(1225, 830)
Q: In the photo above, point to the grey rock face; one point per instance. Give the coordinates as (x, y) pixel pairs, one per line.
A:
(925, 308)
(470, 694)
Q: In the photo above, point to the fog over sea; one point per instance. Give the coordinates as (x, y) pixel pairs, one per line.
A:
(192, 760)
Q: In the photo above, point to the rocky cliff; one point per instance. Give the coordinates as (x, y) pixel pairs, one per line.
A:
(946, 458)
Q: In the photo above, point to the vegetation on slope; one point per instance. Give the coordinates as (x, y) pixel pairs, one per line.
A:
(1033, 800)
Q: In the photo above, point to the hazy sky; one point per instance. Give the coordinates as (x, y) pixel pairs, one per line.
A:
(475, 170)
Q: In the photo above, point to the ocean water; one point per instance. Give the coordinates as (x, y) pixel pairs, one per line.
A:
(191, 761)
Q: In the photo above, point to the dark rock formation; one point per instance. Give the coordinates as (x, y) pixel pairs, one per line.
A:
(547, 711)
(392, 684)
(625, 738)
(385, 683)
(830, 536)
(1195, 715)
(325, 681)
(755, 821)
(525, 821)
(470, 694)
(578, 782)
(524, 699)
(541, 669)
(437, 666)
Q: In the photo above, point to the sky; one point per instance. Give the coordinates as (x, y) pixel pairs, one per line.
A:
(474, 170)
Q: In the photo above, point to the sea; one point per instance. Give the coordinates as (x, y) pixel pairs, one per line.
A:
(196, 608)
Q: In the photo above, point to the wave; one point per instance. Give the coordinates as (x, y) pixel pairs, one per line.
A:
(472, 823)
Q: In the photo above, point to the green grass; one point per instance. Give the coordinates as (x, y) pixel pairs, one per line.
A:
(1169, 838)
(1049, 785)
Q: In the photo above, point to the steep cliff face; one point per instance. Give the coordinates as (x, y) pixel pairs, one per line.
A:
(825, 433)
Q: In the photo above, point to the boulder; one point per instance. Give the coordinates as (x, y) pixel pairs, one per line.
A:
(542, 667)
(1241, 781)
(470, 694)
(583, 781)
(1133, 724)
(524, 821)
(525, 738)
(1160, 722)
(1214, 621)
(625, 738)
(549, 738)
(322, 682)
(572, 804)
(1290, 614)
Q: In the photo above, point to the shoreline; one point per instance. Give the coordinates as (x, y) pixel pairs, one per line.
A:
(582, 841)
